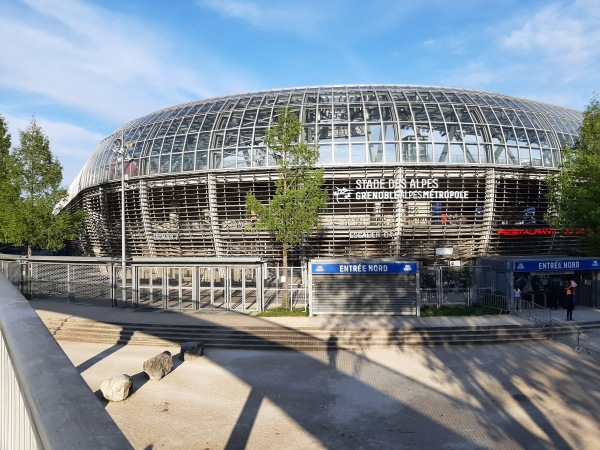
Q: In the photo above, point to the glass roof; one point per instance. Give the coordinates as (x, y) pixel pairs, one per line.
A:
(353, 125)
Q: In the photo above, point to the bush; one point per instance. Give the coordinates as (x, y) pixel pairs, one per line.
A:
(475, 310)
(426, 311)
(281, 311)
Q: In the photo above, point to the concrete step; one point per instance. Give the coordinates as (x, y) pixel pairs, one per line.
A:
(272, 337)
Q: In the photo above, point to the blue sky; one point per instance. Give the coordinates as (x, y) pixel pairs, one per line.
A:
(84, 67)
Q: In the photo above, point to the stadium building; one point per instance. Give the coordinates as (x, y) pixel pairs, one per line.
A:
(412, 173)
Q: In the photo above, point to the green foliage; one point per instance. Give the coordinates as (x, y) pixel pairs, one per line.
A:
(293, 211)
(575, 192)
(281, 311)
(5, 143)
(31, 193)
(7, 192)
(442, 311)
(426, 311)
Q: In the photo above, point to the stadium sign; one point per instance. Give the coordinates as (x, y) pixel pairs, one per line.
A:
(393, 189)
(364, 268)
(556, 265)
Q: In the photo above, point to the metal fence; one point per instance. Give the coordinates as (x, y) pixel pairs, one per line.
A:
(16, 427)
(160, 283)
(493, 300)
(446, 285)
(576, 337)
(286, 285)
(532, 312)
(90, 282)
(172, 285)
(521, 308)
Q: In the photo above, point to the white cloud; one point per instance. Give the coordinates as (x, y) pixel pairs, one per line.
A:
(566, 37)
(335, 20)
(296, 16)
(72, 58)
(550, 54)
(112, 66)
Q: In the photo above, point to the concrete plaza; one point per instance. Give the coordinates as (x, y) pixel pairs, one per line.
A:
(538, 395)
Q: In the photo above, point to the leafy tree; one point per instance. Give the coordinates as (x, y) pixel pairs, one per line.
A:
(5, 188)
(5, 142)
(34, 177)
(575, 192)
(293, 211)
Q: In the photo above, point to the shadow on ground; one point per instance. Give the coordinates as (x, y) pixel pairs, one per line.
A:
(533, 395)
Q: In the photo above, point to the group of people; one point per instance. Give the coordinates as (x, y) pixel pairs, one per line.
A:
(570, 299)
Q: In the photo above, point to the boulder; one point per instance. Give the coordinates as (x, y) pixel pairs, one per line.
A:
(117, 388)
(158, 366)
(191, 350)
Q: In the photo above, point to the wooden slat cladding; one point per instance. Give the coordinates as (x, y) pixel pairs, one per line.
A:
(385, 212)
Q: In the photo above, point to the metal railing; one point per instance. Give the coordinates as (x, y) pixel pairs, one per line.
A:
(430, 297)
(532, 312)
(521, 308)
(576, 337)
(37, 380)
(86, 280)
(493, 300)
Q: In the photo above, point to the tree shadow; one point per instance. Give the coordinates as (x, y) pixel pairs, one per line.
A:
(346, 399)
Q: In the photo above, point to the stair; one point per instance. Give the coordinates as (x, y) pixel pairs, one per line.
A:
(280, 338)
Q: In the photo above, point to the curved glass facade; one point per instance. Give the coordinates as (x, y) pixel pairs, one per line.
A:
(353, 125)
(410, 171)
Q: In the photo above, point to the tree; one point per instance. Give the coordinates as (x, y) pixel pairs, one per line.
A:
(574, 193)
(5, 142)
(32, 195)
(293, 212)
(5, 187)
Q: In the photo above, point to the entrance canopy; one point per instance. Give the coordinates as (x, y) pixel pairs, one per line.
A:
(555, 264)
(541, 278)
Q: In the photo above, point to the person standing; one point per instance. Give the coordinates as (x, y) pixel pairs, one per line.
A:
(518, 299)
(572, 286)
(570, 304)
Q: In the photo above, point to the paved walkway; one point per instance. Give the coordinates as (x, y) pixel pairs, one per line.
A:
(232, 319)
(514, 396)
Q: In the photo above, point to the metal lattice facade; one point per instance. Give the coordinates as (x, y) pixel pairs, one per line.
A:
(409, 170)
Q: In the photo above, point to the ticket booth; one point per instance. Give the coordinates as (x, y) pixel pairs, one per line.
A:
(364, 287)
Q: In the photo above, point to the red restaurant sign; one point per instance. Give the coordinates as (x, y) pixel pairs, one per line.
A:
(527, 232)
(538, 232)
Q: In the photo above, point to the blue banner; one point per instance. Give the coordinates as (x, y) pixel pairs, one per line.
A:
(364, 268)
(554, 265)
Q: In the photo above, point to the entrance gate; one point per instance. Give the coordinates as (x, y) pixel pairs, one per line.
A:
(542, 279)
(446, 285)
(363, 287)
(230, 288)
(233, 284)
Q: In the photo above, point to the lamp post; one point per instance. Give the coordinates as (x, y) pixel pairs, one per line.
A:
(119, 148)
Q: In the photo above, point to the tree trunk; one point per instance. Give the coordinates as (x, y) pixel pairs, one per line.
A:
(285, 299)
